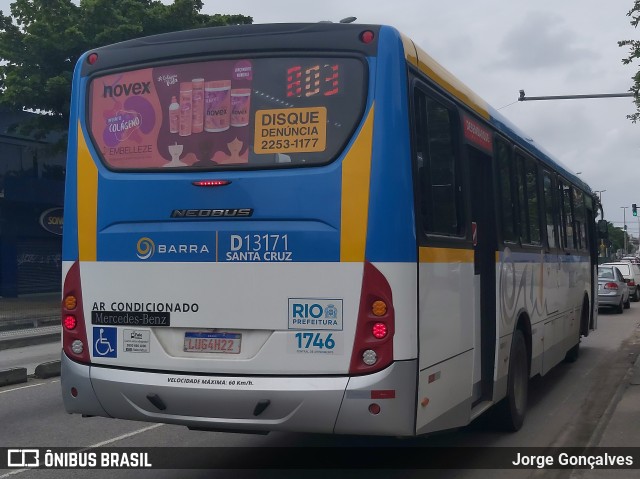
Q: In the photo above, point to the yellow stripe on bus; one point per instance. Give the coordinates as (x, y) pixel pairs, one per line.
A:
(446, 255)
(449, 255)
(356, 173)
(417, 57)
(87, 201)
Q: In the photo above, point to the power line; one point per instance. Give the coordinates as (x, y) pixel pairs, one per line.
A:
(508, 105)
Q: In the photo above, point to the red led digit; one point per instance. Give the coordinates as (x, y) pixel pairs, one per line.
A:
(312, 81)
(294, 86)
(331, 80)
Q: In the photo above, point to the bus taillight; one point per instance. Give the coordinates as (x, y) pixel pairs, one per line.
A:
(74, 333)
(379, 330)
(373, 344)
(69, 322)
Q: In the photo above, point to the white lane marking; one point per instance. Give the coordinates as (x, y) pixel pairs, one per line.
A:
(124, 436)
(99, 444)
(29, 386)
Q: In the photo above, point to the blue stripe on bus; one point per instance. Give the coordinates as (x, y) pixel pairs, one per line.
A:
(391, 235)
(70, 227)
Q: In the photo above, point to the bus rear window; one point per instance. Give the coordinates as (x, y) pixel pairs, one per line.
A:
(242, 113)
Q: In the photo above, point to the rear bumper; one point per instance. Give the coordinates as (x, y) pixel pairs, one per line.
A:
(609, 300)
(305, 404)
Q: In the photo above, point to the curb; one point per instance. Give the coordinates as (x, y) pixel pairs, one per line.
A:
(19, 375)
(635, 380)
(47, 370)
(13, 376)
(29, 340)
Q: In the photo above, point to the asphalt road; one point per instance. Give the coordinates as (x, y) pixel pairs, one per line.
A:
(565, 409)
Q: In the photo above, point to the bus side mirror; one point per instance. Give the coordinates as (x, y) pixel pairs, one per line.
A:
(603, 229)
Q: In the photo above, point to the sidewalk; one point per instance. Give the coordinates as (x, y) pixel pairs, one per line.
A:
(28, 321)
(620, 427)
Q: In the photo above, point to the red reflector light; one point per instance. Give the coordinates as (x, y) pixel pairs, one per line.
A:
(366, 36)
(611, 286)
(379, 330)
(374, 408)
(70, 322)
(92, 58)
(631, 283)
(383, 394)
(211, 183)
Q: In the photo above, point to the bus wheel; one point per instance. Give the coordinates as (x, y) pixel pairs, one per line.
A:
(512, 409)
(574, 352)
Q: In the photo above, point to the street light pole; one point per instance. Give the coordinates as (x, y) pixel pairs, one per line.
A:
(624, 232)
(522, 96)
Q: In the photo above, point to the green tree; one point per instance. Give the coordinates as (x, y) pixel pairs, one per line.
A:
(41, 40)
(616, 236)
(634, 54)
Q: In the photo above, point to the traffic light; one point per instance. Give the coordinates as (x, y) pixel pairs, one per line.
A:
(634, 209)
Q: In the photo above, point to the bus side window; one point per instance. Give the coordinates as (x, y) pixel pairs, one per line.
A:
(533, 201)
(579, 218)
(437, 166)
(550, 210)
(508, 205)
(528, 193)
(567, 215)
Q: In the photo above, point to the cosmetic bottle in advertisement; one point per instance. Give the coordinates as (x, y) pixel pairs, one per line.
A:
(197, 101)
(174, 115)
(217, 101)
(240, 104)
(185, 108)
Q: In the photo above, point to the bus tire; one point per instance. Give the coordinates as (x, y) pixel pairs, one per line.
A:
(572, 354)
(512, 409)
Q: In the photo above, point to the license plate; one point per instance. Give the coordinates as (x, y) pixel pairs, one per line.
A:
(210, 342)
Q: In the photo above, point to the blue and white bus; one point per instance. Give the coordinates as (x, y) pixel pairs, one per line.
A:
(310, 227)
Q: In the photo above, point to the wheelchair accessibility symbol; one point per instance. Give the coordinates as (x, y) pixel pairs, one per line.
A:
(105, 342)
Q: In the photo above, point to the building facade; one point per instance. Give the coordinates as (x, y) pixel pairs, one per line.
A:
(31, 215)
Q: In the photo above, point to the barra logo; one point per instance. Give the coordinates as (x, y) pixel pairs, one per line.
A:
(310, 313)
(146, 247)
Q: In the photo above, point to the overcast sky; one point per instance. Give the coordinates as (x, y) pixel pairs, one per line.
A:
(498, 47)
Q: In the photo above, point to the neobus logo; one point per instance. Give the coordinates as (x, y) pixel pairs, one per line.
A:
(208, 213)
(137, 88)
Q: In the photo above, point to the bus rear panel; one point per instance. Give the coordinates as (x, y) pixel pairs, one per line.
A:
(220, 270)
